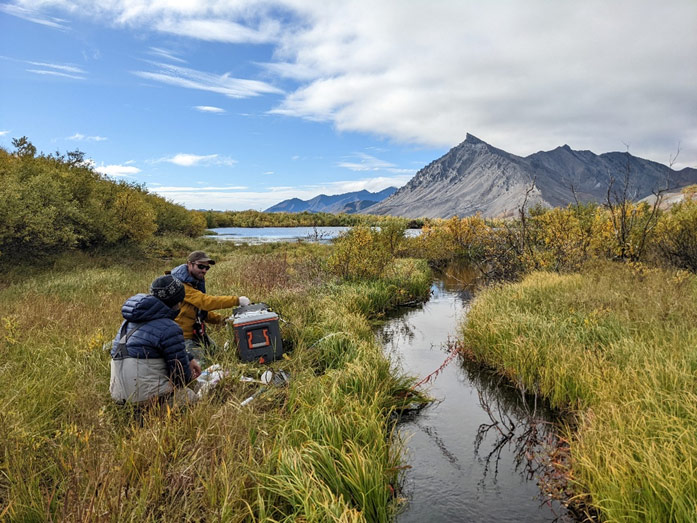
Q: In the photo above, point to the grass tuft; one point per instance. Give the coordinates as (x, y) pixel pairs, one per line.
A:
(615, 348)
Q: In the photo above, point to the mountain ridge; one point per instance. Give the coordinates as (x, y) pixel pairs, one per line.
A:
(476, 177)
(346, 202)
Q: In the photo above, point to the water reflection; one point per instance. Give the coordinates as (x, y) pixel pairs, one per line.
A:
(474, 452)
(514, 420)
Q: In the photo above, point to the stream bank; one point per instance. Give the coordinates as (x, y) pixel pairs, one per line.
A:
(468, 453)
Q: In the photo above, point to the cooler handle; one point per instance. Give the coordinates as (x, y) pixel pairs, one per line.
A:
(262, 343)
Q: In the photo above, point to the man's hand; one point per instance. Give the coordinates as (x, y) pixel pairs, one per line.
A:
(195, 369)
(244, 301)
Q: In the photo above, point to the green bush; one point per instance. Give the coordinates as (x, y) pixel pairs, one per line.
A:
(359, 253)
(55, 203)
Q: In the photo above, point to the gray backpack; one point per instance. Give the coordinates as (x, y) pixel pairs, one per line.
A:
(121, 351)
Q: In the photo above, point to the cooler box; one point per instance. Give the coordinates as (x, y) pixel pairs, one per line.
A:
(257, 333)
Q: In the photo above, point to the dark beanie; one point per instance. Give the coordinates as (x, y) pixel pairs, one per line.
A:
(168, 289)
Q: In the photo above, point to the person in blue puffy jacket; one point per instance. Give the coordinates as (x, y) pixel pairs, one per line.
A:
(148, 357)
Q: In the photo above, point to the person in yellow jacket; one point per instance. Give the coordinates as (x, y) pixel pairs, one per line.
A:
(197, 308)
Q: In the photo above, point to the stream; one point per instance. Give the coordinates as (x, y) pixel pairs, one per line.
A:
(467, 452)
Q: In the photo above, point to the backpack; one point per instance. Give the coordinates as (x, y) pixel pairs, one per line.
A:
(121, 351)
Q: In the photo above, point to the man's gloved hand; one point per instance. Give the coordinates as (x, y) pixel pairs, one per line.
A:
(244, 301)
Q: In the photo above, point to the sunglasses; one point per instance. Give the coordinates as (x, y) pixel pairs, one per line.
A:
(203, 267)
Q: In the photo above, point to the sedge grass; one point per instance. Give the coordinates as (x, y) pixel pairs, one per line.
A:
(316, 450)
(615, 346)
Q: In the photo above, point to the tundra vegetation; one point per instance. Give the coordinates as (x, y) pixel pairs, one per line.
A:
(318, 449)
(598, 316)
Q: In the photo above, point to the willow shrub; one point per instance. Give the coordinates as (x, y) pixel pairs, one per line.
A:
(443, 240)
(52, 204)
(563, 239)
(359, 253)
(613, 346)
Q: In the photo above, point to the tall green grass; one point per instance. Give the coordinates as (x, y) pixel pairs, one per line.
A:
(318, 449)
(615, 347)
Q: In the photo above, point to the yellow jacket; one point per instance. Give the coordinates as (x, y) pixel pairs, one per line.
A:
(196, 299)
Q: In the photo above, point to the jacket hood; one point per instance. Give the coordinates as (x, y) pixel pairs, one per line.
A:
(181, 272)
(146, 307)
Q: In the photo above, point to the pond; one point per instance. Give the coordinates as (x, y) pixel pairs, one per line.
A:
(257, 235)
(466, 452)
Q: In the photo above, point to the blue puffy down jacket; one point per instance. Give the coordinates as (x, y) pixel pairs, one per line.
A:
(159, 336)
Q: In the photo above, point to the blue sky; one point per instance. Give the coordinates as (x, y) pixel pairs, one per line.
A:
(237, 104)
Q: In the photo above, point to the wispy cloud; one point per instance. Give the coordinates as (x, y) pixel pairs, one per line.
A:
(190, 160)
(167, 55)
(219, 30)
(64, 70)
(3, 133)
(369, 184)
(33, 15)
(118, 171)
(216, 83)
(209, 109)
(79, 137)
(371, 163)
(55, 73)
(293, 71)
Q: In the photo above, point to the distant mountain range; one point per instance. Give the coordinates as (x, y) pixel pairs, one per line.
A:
(477, 177)
(350, 202)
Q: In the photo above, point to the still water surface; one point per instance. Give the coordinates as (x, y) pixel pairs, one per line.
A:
(257, 235)
(463, 450)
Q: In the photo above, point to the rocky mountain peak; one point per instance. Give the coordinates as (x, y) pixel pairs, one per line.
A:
(477, 177)
(473, 140)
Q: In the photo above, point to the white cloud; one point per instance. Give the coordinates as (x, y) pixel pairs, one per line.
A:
(209, 109)
(63, 70)
(33, 15)
(216, 83)
(164, 53)
(117, 171)
(3, 133)
(81, 137)
(218, 30)
(367, 162)
(369, 184)
(190, 160)
(66, 68)
(524, 76)
(55, 73)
